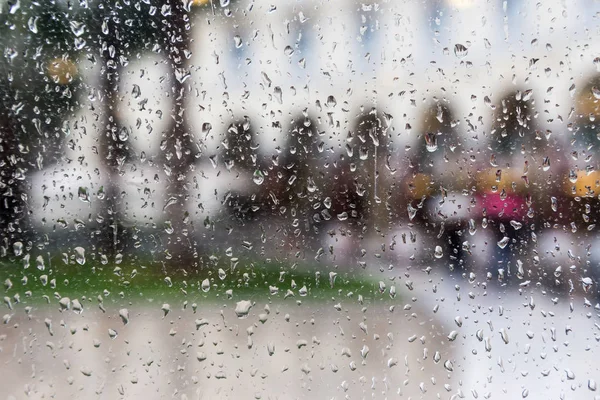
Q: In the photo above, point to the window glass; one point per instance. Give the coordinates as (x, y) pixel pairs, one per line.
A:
(307, 199)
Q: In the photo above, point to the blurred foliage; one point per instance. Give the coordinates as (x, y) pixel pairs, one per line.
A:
(141, 281)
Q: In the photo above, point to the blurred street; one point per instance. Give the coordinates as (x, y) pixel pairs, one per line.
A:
(317, 352)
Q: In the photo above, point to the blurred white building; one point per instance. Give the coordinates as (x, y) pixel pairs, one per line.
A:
(329, 59)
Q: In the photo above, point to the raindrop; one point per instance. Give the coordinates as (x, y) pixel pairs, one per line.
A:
(516, 225)
(331, 101)
(472, 227)
(546, 164)
(258, 177)
(79, 255)
(14, 6)
(64, 303)
(18, 248)
(431, 142)
(278, 94)
(342, 216)
(503, 242)
(123, 134)
(504, 335)
(271, 348)
(242, 308)
(32, 24)
(76, 306)
(238, 41)
(166, 308)
(83, 194)
(78, 28)
(222, 274)
(124, 314)
(412, 212)
(448, 365)
(460, 51)
(40, 263)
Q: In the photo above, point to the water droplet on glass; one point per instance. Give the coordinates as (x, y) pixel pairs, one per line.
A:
(448, 366)
(258, 177)
(503, 242)
(79, 255)
(242, 308)
(32, 24)
(331, 101)
(412, 212)
(554, 203)
(431, 142)
(278, 94)
(288, 51)
(18, 248)
(504, 335)
(14, 6)
(238, 41)
(166, 308)
(83, 194)
(78, 28)
(124, 314)
(472, 227)
(546, 164)
(39, 261)
(460, 51)
(342, 216)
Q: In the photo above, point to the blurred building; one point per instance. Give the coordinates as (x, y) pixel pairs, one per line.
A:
(356, 112)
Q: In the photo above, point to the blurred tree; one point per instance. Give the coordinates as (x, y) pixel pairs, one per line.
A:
(358, 189)
(514, 128)
(241, 158)
(299, 187)
(115, 32)
(180, 150)
(38, 88)
(436, 169)
(516, 143)
(439, 142)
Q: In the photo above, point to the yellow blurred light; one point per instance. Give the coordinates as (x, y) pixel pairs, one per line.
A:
(62, 71)
(584, 184)
(588, 106)
(199, 3)
(420, 186)
(488, 178)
